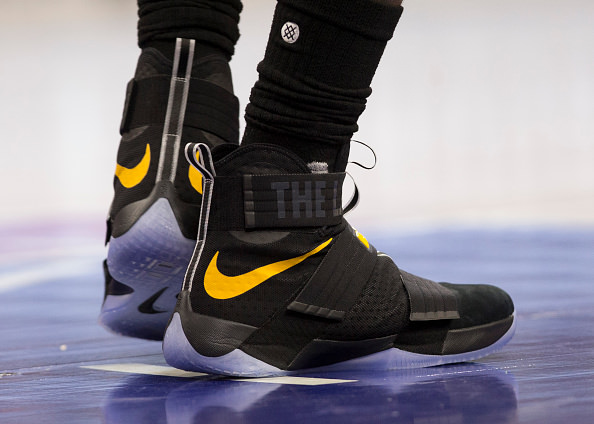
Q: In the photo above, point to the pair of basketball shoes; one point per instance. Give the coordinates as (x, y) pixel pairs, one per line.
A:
(240, 259)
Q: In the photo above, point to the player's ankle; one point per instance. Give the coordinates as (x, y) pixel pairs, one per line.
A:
(332, 157)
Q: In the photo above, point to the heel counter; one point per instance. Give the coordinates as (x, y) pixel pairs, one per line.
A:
(210, 336)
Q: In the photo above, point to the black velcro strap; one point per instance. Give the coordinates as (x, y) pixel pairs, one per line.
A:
(125, 124)
(303, 200)
(429, 301)
(337, 283)
(210, 108)
(261, 202)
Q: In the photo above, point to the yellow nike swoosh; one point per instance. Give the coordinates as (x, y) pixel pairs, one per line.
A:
(130, 177)
(195, 176)
(220, 286)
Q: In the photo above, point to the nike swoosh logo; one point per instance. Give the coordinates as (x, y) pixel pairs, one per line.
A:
(147, 307)
(221, 286)
(130, 177)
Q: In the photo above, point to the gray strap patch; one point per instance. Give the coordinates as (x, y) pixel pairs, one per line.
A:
(337, 283)
(429, 301)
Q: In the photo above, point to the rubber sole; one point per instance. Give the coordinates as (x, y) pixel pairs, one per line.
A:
(179, 353)
(150, 260)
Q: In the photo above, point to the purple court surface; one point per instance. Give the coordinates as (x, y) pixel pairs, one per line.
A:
(58, 366)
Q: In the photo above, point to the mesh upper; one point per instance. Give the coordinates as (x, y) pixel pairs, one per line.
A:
(381, 310)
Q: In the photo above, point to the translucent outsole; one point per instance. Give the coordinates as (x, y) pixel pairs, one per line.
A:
(179, 353)
(151, 258)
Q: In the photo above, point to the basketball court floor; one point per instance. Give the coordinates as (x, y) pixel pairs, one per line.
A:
(481, 120)
(58, 365)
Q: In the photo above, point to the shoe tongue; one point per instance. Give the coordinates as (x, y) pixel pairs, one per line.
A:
(259, 159)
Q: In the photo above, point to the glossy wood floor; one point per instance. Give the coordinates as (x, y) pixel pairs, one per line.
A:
(58, 366)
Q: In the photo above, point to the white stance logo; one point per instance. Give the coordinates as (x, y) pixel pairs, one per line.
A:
(290, 32)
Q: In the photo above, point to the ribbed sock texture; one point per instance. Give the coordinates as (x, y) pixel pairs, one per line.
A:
(212, 23)
(311, 92)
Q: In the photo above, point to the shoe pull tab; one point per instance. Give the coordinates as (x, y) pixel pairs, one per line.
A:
(198, 155)
(368, 167)
(354, 201)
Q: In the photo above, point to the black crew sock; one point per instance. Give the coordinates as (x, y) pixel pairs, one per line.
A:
(316, 74)
(212, 23)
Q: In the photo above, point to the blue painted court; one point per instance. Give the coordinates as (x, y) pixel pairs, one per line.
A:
(58, 365)
(481, 118)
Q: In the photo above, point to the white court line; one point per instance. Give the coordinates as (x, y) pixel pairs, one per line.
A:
(145, 369)
(173, 372)
(302, 381)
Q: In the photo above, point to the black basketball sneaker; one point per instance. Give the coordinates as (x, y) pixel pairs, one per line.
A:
(280, 282)
(153, 220)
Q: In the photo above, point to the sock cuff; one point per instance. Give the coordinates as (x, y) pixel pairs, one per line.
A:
(316, 74)
(338, 43)
(375, 19)
(213, 22)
